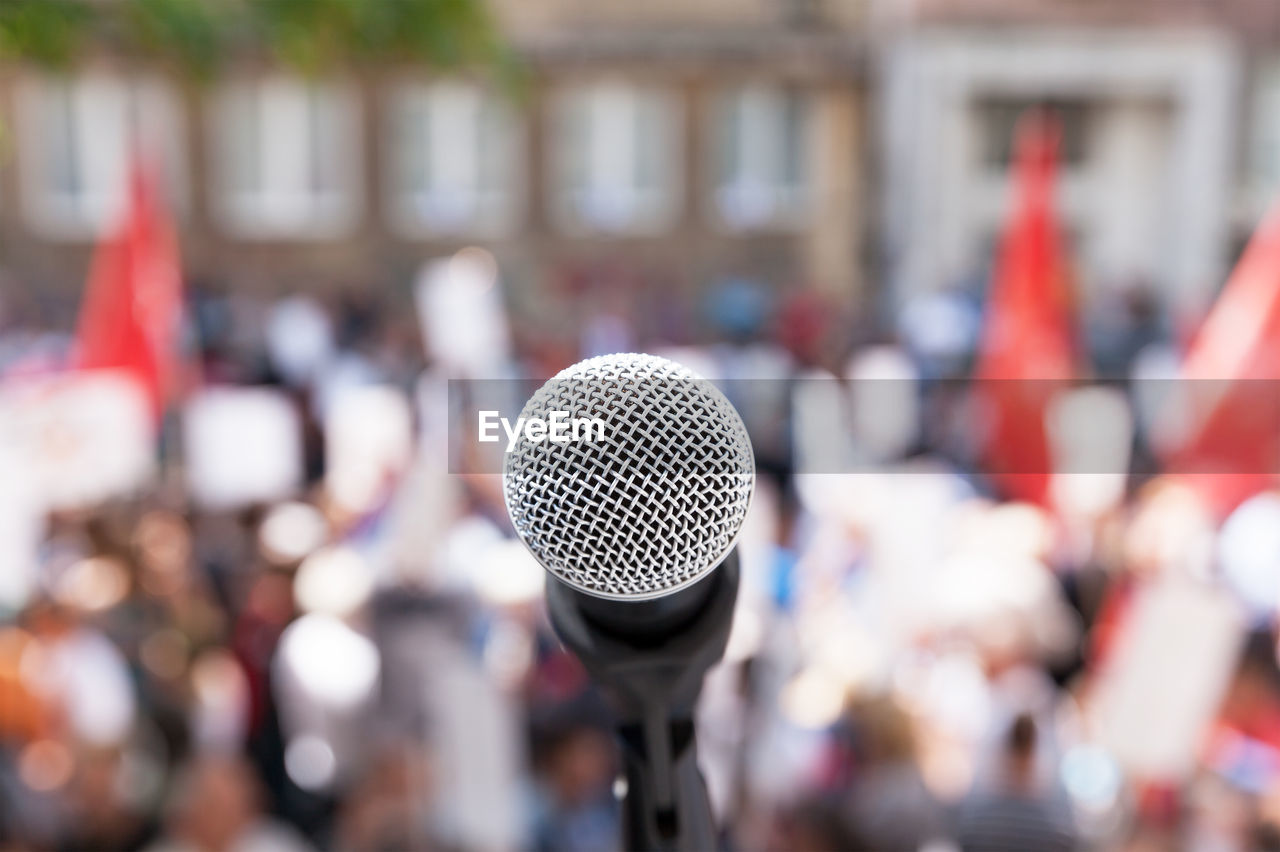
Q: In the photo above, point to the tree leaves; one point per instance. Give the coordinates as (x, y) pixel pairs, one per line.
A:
(48, 32)
(311, 36)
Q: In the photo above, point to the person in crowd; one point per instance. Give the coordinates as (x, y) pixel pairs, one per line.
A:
(574, 808)
(1015, 814)
(889, 807)
(384, 810)
(215, 807)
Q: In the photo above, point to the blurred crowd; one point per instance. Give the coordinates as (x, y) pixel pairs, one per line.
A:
(362, 662)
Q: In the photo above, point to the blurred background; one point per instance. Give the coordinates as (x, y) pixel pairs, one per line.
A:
(979, 275)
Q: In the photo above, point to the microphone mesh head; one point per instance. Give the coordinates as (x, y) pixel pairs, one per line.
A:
(647, 508)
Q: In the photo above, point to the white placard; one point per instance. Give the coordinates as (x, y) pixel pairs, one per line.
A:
(243, 446)
(885, 413)
(368, 443)
(1091, 439)
(88, 436)
(1248, 553)
(1166, 676)
(820, 439)
(462, 315)
(21, 529)
(299, 338)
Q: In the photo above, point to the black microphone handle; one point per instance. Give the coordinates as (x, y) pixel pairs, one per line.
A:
(685, 825)
(653, 684)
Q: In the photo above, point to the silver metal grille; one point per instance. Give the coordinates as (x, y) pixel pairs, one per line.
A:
(653, 506)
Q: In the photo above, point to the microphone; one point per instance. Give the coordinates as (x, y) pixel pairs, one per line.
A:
(634, 513)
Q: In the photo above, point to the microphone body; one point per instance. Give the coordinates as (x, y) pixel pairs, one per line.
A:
(636, 530)
(652, 683)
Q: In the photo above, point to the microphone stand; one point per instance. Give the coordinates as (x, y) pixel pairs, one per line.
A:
(653, 685)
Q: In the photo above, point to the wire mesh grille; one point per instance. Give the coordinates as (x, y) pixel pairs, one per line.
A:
(651, 506)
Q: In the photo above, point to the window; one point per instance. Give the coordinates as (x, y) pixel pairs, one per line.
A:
(454, 161)
(763, 140)
(287, 159)
(75, 139)
(616, 163)
(999, 117)
(1264, 154)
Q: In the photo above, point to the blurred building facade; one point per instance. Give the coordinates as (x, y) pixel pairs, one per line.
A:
(857, 146)
(1145, 152)
(1169, 143)
(678, 141)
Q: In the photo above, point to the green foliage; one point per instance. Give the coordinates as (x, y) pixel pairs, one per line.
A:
(186, 33)
(45, 31)
(309, 35)
(313, 34)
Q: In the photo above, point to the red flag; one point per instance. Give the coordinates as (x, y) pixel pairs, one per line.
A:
(1026, 343)
(129, 319)
(1230, 377)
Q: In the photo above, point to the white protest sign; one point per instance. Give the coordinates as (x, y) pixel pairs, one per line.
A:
(87, 436)
(368, 443)
(21, 529)
(463, 318)
(1166, 676)
(243, 445)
